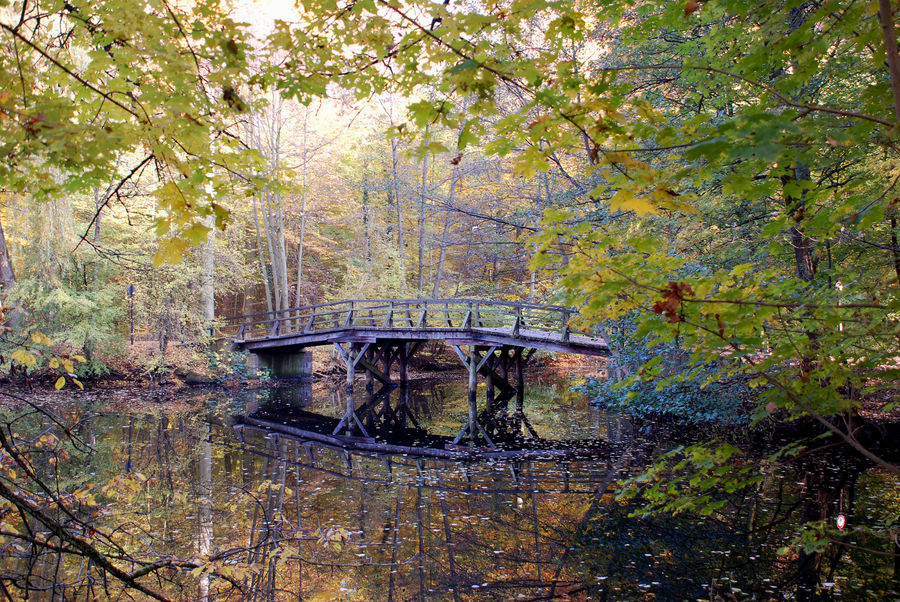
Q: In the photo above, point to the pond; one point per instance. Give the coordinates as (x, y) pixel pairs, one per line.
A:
(229, 510)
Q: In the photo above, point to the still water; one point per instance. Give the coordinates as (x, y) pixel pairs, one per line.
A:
(253, 514)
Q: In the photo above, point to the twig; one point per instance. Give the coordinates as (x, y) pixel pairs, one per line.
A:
(109, 197)
(69, 72)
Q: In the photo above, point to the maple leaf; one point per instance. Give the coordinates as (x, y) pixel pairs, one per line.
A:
(673, 295)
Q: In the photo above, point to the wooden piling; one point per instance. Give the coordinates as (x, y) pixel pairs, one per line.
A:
(520, 381)
(473, 399)
(489, 384)
(404, 364)
(370, 377)
(351, 376)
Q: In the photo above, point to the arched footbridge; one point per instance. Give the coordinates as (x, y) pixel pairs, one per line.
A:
(493, 339)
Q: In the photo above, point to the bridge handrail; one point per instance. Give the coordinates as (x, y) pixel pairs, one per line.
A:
(419, 314)
(523, 305)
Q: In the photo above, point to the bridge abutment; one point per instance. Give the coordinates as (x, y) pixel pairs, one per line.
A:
(288, 364)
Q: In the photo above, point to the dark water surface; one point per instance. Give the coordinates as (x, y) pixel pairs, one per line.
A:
(290, 519)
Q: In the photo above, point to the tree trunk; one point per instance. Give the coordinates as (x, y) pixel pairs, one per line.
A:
(261, 255)
(297, 297)
(273, 222)
(439, 272)
(282, 254)
(204, 508)
(422, 199)
(796, 204)
(367, 244)
(889, 33)
(395, 184)
(207, 288)
(895, 250)
(99, 216)
(7, 275)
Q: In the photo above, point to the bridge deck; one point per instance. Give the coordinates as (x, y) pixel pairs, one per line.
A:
(456, 321)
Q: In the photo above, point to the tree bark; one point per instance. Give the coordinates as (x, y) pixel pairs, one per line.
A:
(272, 222)
(204, 509)
(439, 272)
(97, 220)
(367, 243)
(796, 204)
(282, 252)
(207, 288)
(297, 297)
(7, 274)
(803, 245)
(422, 198)
(895, 250)
(395, 184)
(262, 260)
(886, 16)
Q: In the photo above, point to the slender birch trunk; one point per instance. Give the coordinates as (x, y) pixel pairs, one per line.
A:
(395, 184)
(422, 201)
(262, 260)
(7, 274)
(302, 207)
(439, 272)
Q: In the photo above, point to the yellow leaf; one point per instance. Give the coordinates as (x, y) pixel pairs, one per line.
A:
(40, 338)
(23, 357)
(171, 197)
(196, 233)
(54, 363)
(79, 358)
(68, 365)
(78, 383)
(624, 200)
(170, 251)
(60, 383)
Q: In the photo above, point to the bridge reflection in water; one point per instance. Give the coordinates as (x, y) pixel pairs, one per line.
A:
(401, 526)
(493, 340)
(397, 422)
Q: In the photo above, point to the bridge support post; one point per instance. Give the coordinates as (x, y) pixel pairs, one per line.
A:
(503, 368)
(404, 364)
(473, 393)
(520, 381)
(351, 376)
(489, 384)
(370, 378)
(351, 356)
(377, 359)
(474, 363)
(519, 416)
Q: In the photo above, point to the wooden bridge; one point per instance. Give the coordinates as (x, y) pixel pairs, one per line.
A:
(491, 338)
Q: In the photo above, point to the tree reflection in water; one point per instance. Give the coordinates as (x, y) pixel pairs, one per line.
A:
(190, 506)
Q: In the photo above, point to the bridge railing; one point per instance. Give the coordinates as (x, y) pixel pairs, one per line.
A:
(402, 314)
